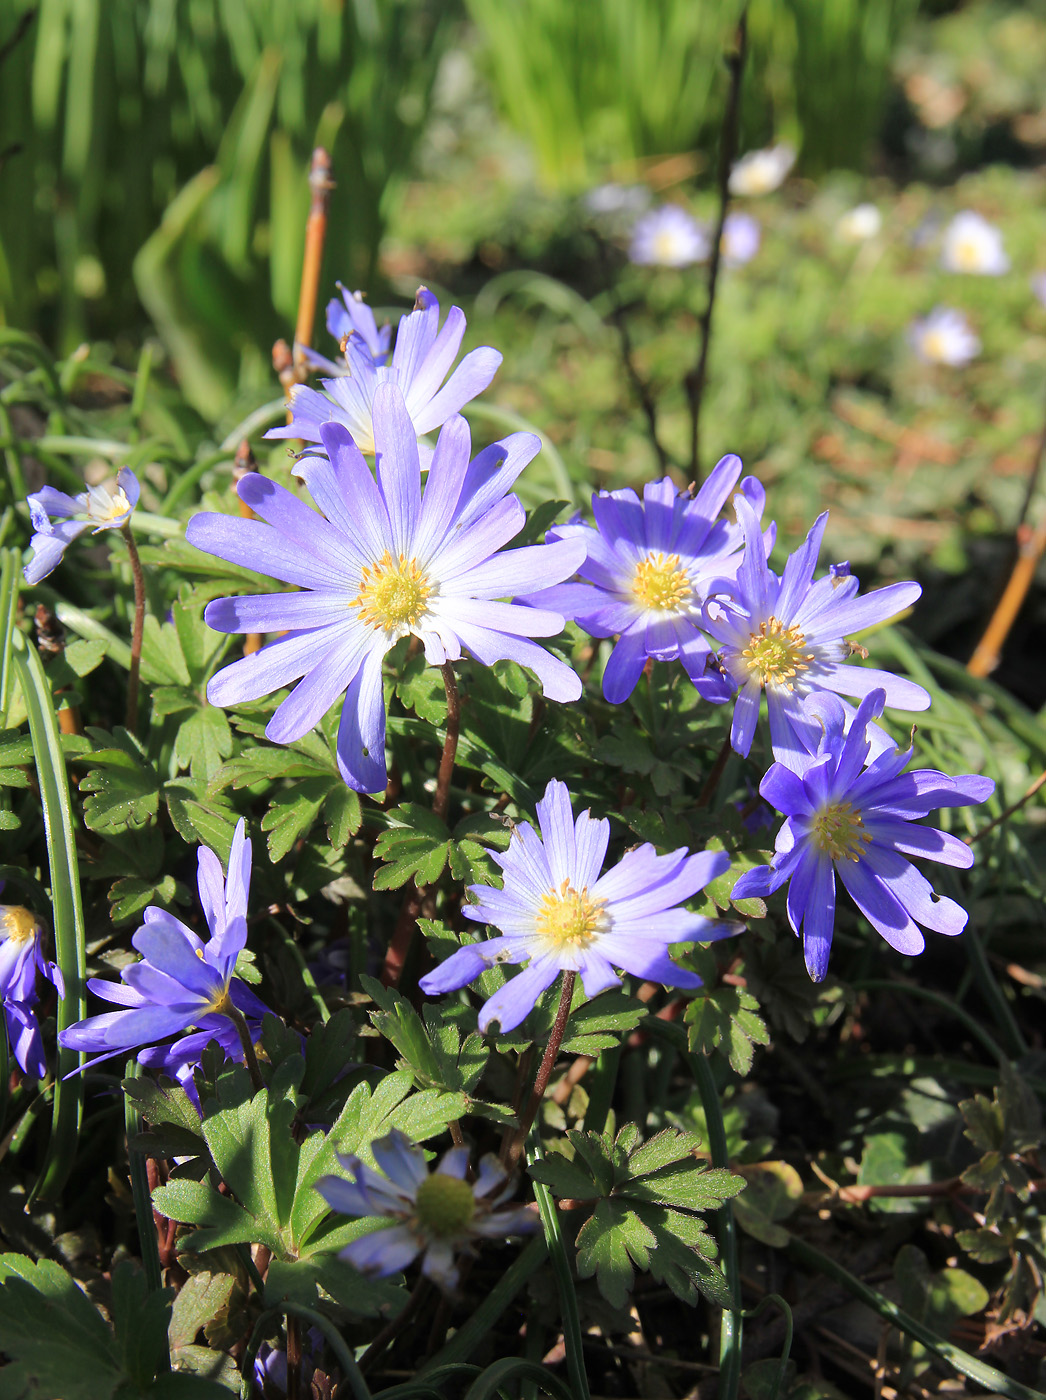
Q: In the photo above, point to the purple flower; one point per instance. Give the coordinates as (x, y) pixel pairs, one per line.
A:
(741, 238)
(944, 337)
(853, 818)
(420, 362)
(21, 958)
(351, 317)
(95, 509)
(181, 982)
(785, 635)
(668, 237)
(437, 1214)
(557, 913)
(648, 565)
(387, 561)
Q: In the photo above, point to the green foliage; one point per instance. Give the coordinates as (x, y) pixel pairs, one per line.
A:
(57, 1344)
(1001, 1129)
(648, 1198)
(727, 1019)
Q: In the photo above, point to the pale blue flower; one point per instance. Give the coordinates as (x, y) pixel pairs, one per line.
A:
(97, 508)
(668, 237)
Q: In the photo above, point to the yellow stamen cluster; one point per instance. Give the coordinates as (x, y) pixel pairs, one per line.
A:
(17, 923)
(661, 582)
(393, 594)
(967, 254)
(570, 918)
(839, 831)
(103, 506)
(776, 654)
(444, 1206)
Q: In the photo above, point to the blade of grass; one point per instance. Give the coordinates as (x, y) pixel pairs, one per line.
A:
(557, 1251)
(10, 582)
(67, 1110)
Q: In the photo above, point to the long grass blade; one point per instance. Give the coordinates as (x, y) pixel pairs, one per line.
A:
(67, 1107)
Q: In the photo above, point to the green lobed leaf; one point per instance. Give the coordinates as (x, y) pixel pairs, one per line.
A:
(727, 1019)
(415, 846)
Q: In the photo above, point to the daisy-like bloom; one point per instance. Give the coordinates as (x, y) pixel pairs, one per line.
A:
(97, 508)
(853, 818)
(647, 565)
(351, 317)
(21, 958)
(613, 201)
(972, 244)
(762, 172)
(181, 982)
(436, 1214)
(557, 913)
(384, 561)
(741, 238)
(668, 237)
(859, 224)
(421, 360)
(785, 636)
(944, 337)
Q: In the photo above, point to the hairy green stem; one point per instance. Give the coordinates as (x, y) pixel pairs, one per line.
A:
(250, 1058)
(513, 1149)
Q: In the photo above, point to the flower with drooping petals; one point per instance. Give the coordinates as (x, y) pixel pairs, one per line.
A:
(762, 172)
(785, 636)
(557, 913)
(741, 238)
(859, 224)
(383, 561)
(21, 959)
(421, 360)
(647, 566)
(857, 820)
(97, 508)
(972, 244)
(668, 237)
(944, 337)
(351, 317)
(181, 982)
(437, 1214)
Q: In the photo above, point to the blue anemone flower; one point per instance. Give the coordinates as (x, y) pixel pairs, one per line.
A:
(786, 636)
(557, 913)
(437, 1214)
(97, 508)
(387, 561)
(181, 982)
(647, 568)
(421, 360)
(21, 959)
(853, 818)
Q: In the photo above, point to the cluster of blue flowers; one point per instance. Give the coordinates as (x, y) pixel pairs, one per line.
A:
(390, 552)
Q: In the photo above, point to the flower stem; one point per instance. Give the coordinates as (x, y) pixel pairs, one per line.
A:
(251, 1059)
(513, 1149)
(293, 1358)
(320, 186)
(712, 781)
(395, 1326)
(139, 628)
(399, 948)
(727, 149)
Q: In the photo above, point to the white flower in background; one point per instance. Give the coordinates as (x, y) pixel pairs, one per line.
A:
(741, 238)
(611, 199)
(668, 237)
(972, 244)
(945, 337)
(761, 172)
(859, 224)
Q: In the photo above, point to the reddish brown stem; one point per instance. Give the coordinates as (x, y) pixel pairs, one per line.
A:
(396, 957)
(320, 186)
(513, 1149)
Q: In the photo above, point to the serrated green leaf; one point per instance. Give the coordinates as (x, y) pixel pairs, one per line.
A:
(140, 1319)
(727, 1019)
(420, 688)
(199, 820)
(204, 739)
(608, 1245)
(343, 814)
(292, 813)
(128, 897)
(123, 787)
(415, 845)
(162, 1103)
(300, 1280)
(163, 662)
(219, 1219)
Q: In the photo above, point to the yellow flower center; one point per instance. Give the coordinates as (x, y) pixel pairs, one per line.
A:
(936, 345)
(967, 254)
(394, 594)
(17, 923)
(104, 506)
(661, 582)
(444, 1206)
(776, 654)
(570, 918)
(839, 831)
